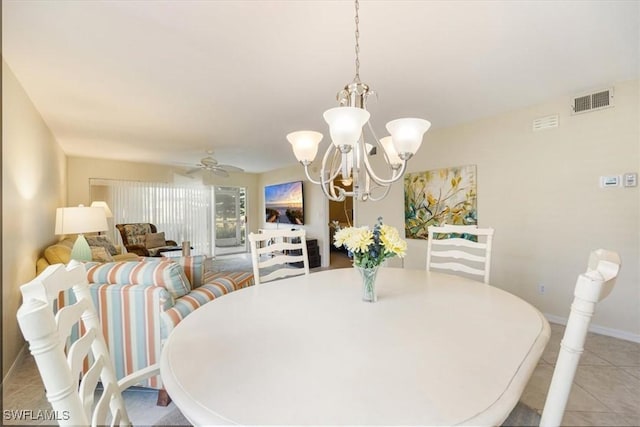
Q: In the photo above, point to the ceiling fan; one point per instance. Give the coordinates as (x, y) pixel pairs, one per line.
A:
(211, 165)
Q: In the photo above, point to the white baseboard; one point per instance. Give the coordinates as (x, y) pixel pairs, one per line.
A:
(602, 330)
(21, 354)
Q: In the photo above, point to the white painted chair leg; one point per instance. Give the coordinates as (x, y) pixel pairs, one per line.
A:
(591, 287)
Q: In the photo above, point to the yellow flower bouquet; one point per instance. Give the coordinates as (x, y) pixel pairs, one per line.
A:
(370, 248)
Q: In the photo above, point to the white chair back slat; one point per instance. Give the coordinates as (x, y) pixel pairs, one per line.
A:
(78, 351)
(591, 287)
(272, 248)
(280, 259)
(458, 255)
(60, 368)
(102, 409)
(459, 242)
(88, 385)
(278, 247)
(477, 257)
(454, 266)
(67, 317)
(280, 274)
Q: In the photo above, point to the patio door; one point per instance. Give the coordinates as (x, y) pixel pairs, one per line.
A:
(230, 215)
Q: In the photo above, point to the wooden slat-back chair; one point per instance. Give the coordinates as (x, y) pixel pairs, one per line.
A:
(458, 253)
(591, 288)
(272, 248)
(60, 367)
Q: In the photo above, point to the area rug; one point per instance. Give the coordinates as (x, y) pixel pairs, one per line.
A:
(236, 262)
(174, 418)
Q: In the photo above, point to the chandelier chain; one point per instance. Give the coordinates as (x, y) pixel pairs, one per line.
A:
(357, 20)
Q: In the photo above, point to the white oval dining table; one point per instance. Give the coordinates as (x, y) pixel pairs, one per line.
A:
(435, 349)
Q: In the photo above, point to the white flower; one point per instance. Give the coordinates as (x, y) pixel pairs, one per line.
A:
(370, 248)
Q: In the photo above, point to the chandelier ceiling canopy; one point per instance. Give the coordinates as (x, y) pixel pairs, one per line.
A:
(348, 155)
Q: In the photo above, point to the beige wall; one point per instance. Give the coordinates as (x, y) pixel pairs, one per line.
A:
(316, 207)
(33, 186)
(540, 191)
(81, 170)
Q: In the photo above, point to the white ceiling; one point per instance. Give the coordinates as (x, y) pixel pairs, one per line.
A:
(163, 81)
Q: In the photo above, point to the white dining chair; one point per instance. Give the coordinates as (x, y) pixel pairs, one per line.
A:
(460, 248)
(72, 399)
(591, 287)
(276, 254)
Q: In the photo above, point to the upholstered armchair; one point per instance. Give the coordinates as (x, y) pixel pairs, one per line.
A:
(142, 238)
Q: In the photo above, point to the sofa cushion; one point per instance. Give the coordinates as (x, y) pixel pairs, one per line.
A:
(98, 253)
(154, 240)
(242, 279)
(102, 241)
(197, 298)
(57, 254)
(193, 267)
(168, 275)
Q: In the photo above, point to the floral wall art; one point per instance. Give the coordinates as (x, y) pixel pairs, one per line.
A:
(436, 197)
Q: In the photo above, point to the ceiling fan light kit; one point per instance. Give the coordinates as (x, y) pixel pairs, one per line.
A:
(348, 155)
(211, 165)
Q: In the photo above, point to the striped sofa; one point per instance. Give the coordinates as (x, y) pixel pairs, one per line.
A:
(140, 302)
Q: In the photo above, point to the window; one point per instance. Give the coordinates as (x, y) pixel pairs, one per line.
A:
(182, 212)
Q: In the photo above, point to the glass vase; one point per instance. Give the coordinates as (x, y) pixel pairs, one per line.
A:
(368, 283)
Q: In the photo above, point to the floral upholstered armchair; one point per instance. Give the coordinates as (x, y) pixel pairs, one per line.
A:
(142, 238)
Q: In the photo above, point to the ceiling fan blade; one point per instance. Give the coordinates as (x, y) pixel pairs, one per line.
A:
(219, 172)
(192, 171)
(231, 168)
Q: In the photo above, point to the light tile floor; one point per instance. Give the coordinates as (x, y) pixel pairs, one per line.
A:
(606, 390)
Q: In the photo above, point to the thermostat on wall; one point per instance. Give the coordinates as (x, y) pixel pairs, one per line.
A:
(610, 181)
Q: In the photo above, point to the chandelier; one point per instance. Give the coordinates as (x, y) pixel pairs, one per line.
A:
(348, 155)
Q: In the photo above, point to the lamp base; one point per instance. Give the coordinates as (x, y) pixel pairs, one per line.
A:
(81, 250)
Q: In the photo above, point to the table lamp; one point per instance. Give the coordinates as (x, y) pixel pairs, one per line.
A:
(103, 205)
(79, 220)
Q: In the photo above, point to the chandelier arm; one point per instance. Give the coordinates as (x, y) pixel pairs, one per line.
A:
(330, 193)
(333, 174)
(320, 181)
(396, 174)
(327, 185)
(306, 172)
(386, 191)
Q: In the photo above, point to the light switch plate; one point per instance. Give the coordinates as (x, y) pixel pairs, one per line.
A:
(630, 179)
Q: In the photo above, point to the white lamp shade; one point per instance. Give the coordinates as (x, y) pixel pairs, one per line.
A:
(392, 154)
(345, 124)
(103, 205)
(80, 219)
(407, 134)
(305, 144)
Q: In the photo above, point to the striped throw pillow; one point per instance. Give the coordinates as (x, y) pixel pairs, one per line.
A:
(193, 267)
(169, 275)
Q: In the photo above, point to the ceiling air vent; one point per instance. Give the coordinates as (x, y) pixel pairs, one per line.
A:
(593, 101)
(547, 122)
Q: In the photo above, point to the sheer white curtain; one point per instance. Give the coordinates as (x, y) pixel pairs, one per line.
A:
(182, 212)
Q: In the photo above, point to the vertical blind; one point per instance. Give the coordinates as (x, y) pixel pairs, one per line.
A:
(182, 212)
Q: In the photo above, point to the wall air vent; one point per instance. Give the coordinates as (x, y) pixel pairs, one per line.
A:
(593, 101)
(546, 122)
